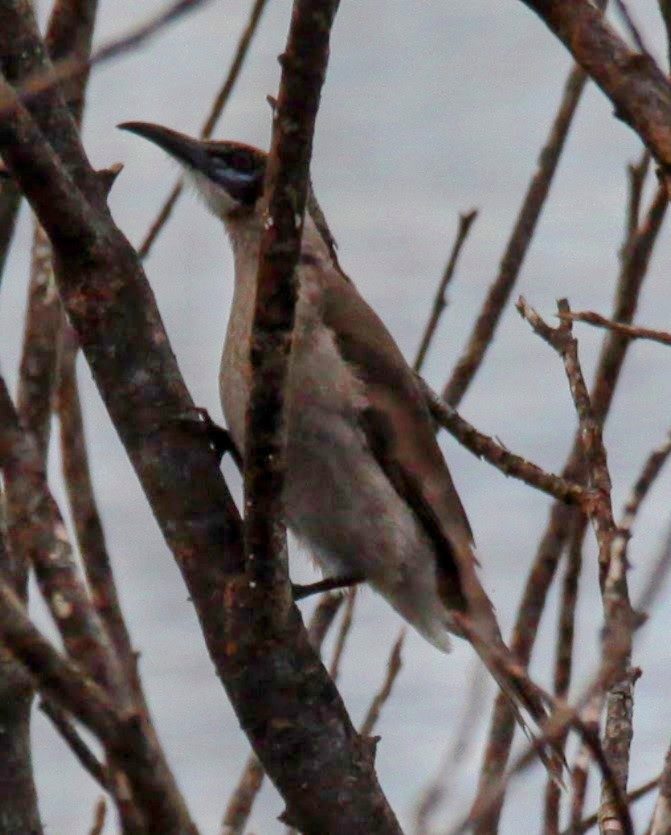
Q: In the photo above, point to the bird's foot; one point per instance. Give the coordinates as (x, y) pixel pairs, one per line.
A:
(219, 438)
(329, 584)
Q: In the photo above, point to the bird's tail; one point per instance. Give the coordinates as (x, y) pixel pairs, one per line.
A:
(523, 695)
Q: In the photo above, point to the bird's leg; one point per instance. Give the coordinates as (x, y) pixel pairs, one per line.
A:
(220, 439)
(329, 584)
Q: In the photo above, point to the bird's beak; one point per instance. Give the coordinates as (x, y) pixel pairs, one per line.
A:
(190, 152)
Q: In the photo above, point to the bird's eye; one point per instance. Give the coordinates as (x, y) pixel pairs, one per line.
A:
(241, 161)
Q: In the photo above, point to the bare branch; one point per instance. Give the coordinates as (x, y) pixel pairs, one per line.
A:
(634, 31)
(635, 259)
(564, 655)
(637, 172)
(518, 244)
(303, 73)
(44, 80)
(440, 301)
(637, 87)
(380, 698)
(482, 446)
(43, 540)
(619, 616)
(630, 331)
(632, 796)
(10, 200)
(86, 758)
(438, 789)
(99, 817)
(243, 796)
(343, 634)
(665, 11)
(591, 715)
(88, 525)
(554, 728)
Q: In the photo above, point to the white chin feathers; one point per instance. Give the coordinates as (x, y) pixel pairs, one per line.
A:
(215, 197)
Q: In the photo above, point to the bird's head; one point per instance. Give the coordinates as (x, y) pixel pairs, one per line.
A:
(228, 175)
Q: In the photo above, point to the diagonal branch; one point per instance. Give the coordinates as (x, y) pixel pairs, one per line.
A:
(637, 87)
(636, 255)
(440, 302)
(111, 307)
(630, 331)
(619, 616)
(519, 242)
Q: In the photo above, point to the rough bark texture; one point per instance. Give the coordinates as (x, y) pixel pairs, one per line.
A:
(638, 88)
(281, 692)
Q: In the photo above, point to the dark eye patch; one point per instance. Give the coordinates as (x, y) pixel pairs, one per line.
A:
(239, 172)
(242, 161)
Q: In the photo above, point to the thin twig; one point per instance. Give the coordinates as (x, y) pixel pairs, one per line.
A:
(67, 69)
(93, 548)
(99, 817)
(343, 633)
(665, 11)
(619, 617)
(518, 244)
(564, 655)
(242, 797)
(634, 31)
(579, 715)
(637, 173)
(440, 301)
(591, 715)
(393, 669)
(510, 464)
(630, 331)
(83, 506)
(43, 538)
(632, 796)
(86, 758)
(554, 728)
(220, 101)
(636, 255)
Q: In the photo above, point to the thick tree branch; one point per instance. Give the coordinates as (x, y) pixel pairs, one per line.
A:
(637, 87)
(283, 699)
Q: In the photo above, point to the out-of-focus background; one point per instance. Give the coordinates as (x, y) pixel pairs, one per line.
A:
(429, 109)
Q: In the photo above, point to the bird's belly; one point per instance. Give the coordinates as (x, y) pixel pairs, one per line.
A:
(338, 501)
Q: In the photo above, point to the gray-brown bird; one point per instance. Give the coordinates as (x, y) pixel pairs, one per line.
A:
(367, 487)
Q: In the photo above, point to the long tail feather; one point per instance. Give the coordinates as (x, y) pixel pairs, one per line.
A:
(521, 693)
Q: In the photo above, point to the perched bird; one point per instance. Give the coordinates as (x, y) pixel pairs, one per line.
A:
(367, 488)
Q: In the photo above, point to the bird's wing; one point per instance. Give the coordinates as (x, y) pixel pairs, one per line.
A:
(400, 433)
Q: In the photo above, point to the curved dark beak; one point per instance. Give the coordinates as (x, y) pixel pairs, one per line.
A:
(188, 151)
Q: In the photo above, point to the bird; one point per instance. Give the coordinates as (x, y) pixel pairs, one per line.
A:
(367, 488)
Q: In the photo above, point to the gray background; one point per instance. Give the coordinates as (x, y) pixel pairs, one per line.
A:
(429, 109)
